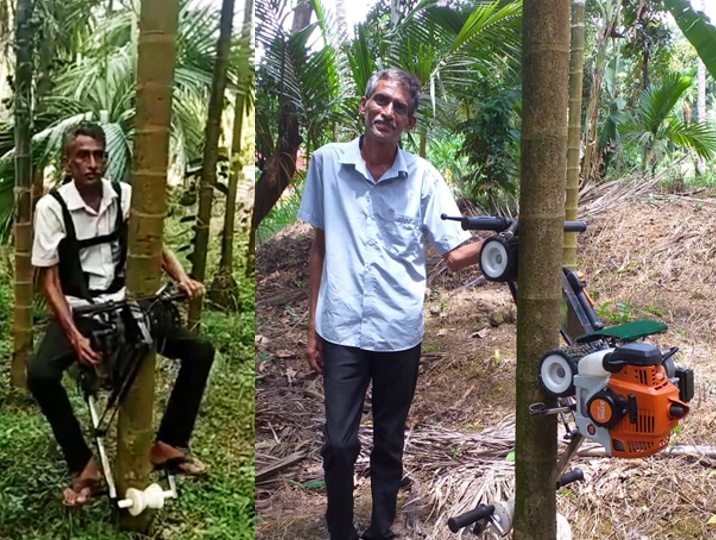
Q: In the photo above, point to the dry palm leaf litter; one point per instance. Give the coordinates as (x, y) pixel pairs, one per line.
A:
(645, 257)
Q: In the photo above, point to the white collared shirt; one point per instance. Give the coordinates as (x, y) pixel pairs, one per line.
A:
(98, 261)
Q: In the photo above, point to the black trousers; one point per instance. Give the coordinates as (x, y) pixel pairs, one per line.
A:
(55, 355)
(346, 373)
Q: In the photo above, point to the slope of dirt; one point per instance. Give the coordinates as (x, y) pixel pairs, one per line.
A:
(642, 260)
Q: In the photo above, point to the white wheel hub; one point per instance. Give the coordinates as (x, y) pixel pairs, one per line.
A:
(556, 374)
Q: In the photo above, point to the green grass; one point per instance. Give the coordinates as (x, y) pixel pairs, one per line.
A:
(280, 216)
(220, 506)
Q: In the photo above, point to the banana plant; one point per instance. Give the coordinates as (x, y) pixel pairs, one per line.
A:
(697, 29)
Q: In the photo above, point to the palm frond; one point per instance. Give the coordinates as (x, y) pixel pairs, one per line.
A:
(700, 137)
(658, 101)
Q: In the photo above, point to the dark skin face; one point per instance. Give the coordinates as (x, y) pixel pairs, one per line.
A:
(86, 162)
(386, 112)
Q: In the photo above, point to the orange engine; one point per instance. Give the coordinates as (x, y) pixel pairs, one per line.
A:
(640, 406)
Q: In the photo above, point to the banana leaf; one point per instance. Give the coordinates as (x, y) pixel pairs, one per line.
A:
(697, 29)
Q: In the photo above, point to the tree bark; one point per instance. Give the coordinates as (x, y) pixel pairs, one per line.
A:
(156, 49)
(22, 324)
(211, 154)
(281, 166)
(240, 112)
(574, 134)
(543, 169)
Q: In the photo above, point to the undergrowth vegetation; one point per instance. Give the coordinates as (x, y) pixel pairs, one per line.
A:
(218, 506)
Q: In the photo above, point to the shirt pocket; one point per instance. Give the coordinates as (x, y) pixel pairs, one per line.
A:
(400, 235)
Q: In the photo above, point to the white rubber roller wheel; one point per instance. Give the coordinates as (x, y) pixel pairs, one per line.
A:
(556, 374)
(134, 501)
(154, 495)
(498, 260)
(137, 500)
(564, 530)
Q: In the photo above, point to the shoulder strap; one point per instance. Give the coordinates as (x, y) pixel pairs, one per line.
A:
(72, 279)
(121, 230)
(66, 217)
(117, 187)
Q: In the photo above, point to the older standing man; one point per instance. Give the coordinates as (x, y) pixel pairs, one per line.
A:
(373, 205)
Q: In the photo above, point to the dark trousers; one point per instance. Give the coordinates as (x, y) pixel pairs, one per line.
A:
(346, 373)
(55, 355)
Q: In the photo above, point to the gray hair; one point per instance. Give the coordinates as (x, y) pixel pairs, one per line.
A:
(409, 82)
(88, 129)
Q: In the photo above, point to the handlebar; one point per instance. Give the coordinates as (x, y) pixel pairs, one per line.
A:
(485, 511)
(481, 512)
(499, 224)
(567, 478)
(167, 292)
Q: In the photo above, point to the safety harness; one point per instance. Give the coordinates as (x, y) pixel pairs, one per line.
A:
(74, 281)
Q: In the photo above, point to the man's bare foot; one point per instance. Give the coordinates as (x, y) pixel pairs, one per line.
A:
(83, 485)
(164, 456)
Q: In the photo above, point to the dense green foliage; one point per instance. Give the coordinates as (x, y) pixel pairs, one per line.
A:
(220, 506)
(467, 59)
(85, 56)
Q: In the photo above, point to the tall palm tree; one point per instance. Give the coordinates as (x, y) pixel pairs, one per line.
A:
(243, 109)
(22, 326)
(211, 154)
(543, 161)
(99, 85)
(574, 134)
(156, 53)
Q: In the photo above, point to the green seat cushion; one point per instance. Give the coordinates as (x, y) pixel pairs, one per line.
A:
(630, 331)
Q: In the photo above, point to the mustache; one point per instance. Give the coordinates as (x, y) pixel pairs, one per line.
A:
(385, 123)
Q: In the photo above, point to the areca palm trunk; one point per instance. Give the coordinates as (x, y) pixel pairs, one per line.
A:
(576, 62)
(227, 235)
(281, 166)
(156, 54)
(240, 113)
(22, 325)
(211, 153)
(543, 167)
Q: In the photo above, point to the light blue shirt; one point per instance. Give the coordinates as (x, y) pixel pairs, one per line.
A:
(373, 280)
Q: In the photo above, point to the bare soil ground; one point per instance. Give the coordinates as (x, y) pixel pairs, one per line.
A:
(650, 258)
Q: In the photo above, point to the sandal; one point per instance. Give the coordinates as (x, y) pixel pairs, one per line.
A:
(185, 465)
(80, 491)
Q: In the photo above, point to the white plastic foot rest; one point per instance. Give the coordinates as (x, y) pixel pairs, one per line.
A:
(137, 500)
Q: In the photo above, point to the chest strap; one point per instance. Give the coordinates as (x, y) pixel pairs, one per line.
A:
(74, 281)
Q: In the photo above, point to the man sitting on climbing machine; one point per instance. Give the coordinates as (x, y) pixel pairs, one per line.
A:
(80, 247)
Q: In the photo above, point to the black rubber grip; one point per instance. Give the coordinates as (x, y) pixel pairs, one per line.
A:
(468, 518)
(481, 223)
(575, 226)
(569, 477)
